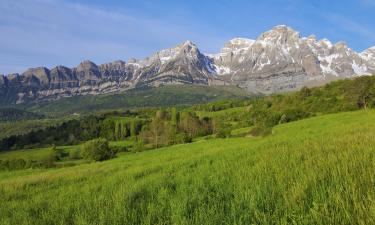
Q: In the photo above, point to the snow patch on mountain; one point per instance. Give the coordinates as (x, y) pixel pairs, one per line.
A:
(359, 69)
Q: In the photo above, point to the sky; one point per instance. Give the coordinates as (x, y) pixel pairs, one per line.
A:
(65, 32)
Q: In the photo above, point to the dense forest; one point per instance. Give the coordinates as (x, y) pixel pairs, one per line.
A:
(11, 114)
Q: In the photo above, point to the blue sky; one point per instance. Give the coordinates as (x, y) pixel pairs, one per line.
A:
(64, 32)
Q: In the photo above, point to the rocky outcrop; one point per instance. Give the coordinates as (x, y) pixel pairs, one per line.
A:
(180, 65)
(282, 60)
(278, 60)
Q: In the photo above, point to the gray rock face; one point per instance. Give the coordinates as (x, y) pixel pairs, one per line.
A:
(278, 60)
(281, 60)
(180, 65)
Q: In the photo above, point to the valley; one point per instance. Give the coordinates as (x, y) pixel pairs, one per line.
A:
(276, 179)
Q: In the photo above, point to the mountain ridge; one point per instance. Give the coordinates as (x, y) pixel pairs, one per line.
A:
(278, 60)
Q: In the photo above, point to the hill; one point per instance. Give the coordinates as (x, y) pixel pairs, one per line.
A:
(138, 98)
(314, 171)
(166, 126)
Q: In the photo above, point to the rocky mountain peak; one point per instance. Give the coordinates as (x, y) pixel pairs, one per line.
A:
(237, 45)
(189, 44)
(279, 35)
(117, 64)
(325, 43)
(86, 65)
(278, 60)
(341, 45)
(39, 75)
(186, 49)
(59, 71)
(88, 73)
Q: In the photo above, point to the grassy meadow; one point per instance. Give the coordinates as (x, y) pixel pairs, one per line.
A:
(313, 171)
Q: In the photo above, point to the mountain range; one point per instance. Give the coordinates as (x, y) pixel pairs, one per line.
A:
(278, 60)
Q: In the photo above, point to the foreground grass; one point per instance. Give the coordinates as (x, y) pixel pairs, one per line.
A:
(315, 171)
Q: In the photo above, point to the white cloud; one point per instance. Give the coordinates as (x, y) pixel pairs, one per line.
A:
(352, 26)
(51, 32)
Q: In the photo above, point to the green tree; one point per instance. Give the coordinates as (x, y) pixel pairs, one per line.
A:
(174, 116)
(133, 128)
(97, 150)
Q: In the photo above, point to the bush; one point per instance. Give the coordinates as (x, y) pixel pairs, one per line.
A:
(293, 114)
(48, 160)
(223, 133)
(58, 153)
(119, 149)
(183, 138)
(75, 154)
(97, 150)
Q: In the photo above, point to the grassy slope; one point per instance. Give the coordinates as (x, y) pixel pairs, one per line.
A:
(149, 97)
(314, 171)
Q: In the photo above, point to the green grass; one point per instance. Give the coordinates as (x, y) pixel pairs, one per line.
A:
(315, 171)
(26, 154)
(36, 154)
(241, 131)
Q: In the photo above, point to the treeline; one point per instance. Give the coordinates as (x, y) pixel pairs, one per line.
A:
(268, 111)
(11, 114)
(76, 131)
(150, 128)
(170, 127)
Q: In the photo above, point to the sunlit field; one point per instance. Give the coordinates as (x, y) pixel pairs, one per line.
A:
(314, 171)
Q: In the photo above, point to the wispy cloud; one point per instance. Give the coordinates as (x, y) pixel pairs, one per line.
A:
(351, 26)
(368, 2)
(50, 32)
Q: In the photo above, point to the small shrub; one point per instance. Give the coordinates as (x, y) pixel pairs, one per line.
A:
(97, 150)
(58, 153)
(75, 154)
(183, 138)
(223, 133)
(48, 160)
(283, 119)
(119, 149)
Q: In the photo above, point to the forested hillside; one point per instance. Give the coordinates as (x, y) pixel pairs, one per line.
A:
(156, 127)
(164, 96)
(11, 114)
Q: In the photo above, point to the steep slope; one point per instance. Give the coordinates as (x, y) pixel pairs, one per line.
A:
(369, 57)
(184, 64)
(281, 60)
(278, 60)
(315, 171)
